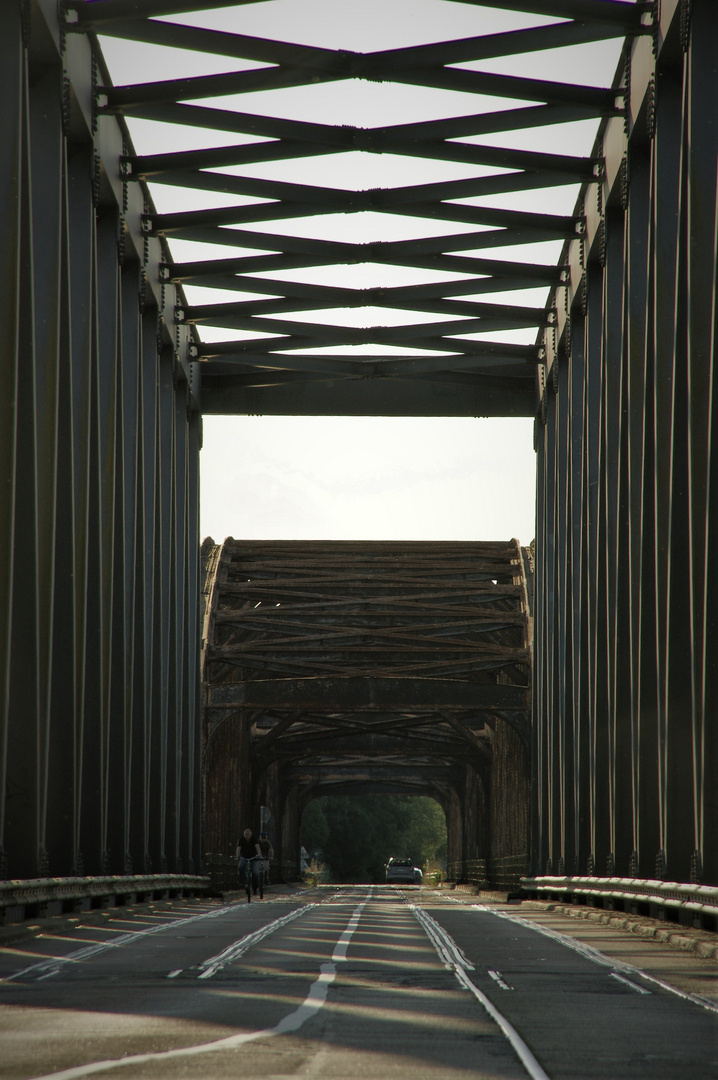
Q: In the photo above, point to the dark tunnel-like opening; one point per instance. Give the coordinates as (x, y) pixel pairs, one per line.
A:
(349, 838)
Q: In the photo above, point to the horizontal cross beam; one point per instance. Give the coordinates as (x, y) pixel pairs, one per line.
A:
(336, 694)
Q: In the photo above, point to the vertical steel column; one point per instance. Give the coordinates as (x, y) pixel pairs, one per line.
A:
(687, 831)
(675, 767)
(576, 612)
(641, 465)
(20, 653)
(666, 158)
(638, 445)
(100, 482)
(12, 55)
(562, 688)
(592, 702)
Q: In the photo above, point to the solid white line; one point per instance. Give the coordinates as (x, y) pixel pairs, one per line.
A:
(522, 1051)
(520, 1048)
(633, 986)
(311, 1005)
(442, 941)
(340, 949)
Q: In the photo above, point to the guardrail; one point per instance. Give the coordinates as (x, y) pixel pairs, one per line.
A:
(673, 901)
(41, 897)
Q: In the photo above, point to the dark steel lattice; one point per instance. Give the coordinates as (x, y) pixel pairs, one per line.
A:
(422, 367)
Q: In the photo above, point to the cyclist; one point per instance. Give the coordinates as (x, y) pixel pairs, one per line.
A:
(267, 850)
(247, 851)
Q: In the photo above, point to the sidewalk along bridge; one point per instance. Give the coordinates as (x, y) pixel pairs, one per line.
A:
(372, 667)
(505, 208)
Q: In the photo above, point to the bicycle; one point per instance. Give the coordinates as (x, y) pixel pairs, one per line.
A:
(249, 879)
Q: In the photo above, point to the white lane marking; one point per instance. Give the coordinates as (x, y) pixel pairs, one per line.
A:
(520, 1048)
(340, 949)
(597, 957)
(633, 986)
(311, 1005)
(522, 1051)
(498, 979)
(444, 944)
(232, 952)
(174, 974)
(45, 968)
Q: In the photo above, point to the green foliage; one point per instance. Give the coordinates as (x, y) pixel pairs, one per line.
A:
(359, 834)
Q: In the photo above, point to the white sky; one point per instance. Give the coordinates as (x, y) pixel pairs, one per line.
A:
(365, 477)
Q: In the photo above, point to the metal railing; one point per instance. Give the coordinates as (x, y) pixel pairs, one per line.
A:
(502, 874)
(673, 901)
(467, 871)
(36, 898)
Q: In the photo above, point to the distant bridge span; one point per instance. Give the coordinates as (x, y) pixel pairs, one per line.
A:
(404, 667)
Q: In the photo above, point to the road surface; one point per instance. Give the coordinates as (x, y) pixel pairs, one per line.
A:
(353, 983)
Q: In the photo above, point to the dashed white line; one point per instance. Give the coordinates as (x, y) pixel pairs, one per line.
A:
(600, 958)
(498, 979)
(589, 953)
(43, 969)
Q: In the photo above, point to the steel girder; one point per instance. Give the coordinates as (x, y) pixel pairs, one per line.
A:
(99, 504)
(625, 684)
(99, 740)
(265, 352)
(382, 666)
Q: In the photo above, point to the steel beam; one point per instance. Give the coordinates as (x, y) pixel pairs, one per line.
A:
(635, 535)
(82, 310)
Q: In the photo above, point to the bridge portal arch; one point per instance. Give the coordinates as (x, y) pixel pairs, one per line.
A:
(375, 667)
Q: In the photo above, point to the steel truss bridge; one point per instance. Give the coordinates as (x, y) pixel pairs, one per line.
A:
(175, 190)
(392, 667)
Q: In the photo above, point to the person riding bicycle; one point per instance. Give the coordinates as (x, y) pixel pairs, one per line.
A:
(267, 850)
(249, 853)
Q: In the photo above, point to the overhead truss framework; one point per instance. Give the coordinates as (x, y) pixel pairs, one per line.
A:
(379, 665)
(388, 650)
(446, 328)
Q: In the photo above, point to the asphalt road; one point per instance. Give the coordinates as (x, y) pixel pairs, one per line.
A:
(357, 983)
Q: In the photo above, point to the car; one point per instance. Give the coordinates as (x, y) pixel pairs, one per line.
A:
(400, 872)
(418, 875)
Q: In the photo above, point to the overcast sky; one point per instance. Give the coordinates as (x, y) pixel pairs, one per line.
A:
(364, 477)
(367, 478)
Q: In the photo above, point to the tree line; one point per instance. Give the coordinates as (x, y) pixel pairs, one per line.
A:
(354, 836)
